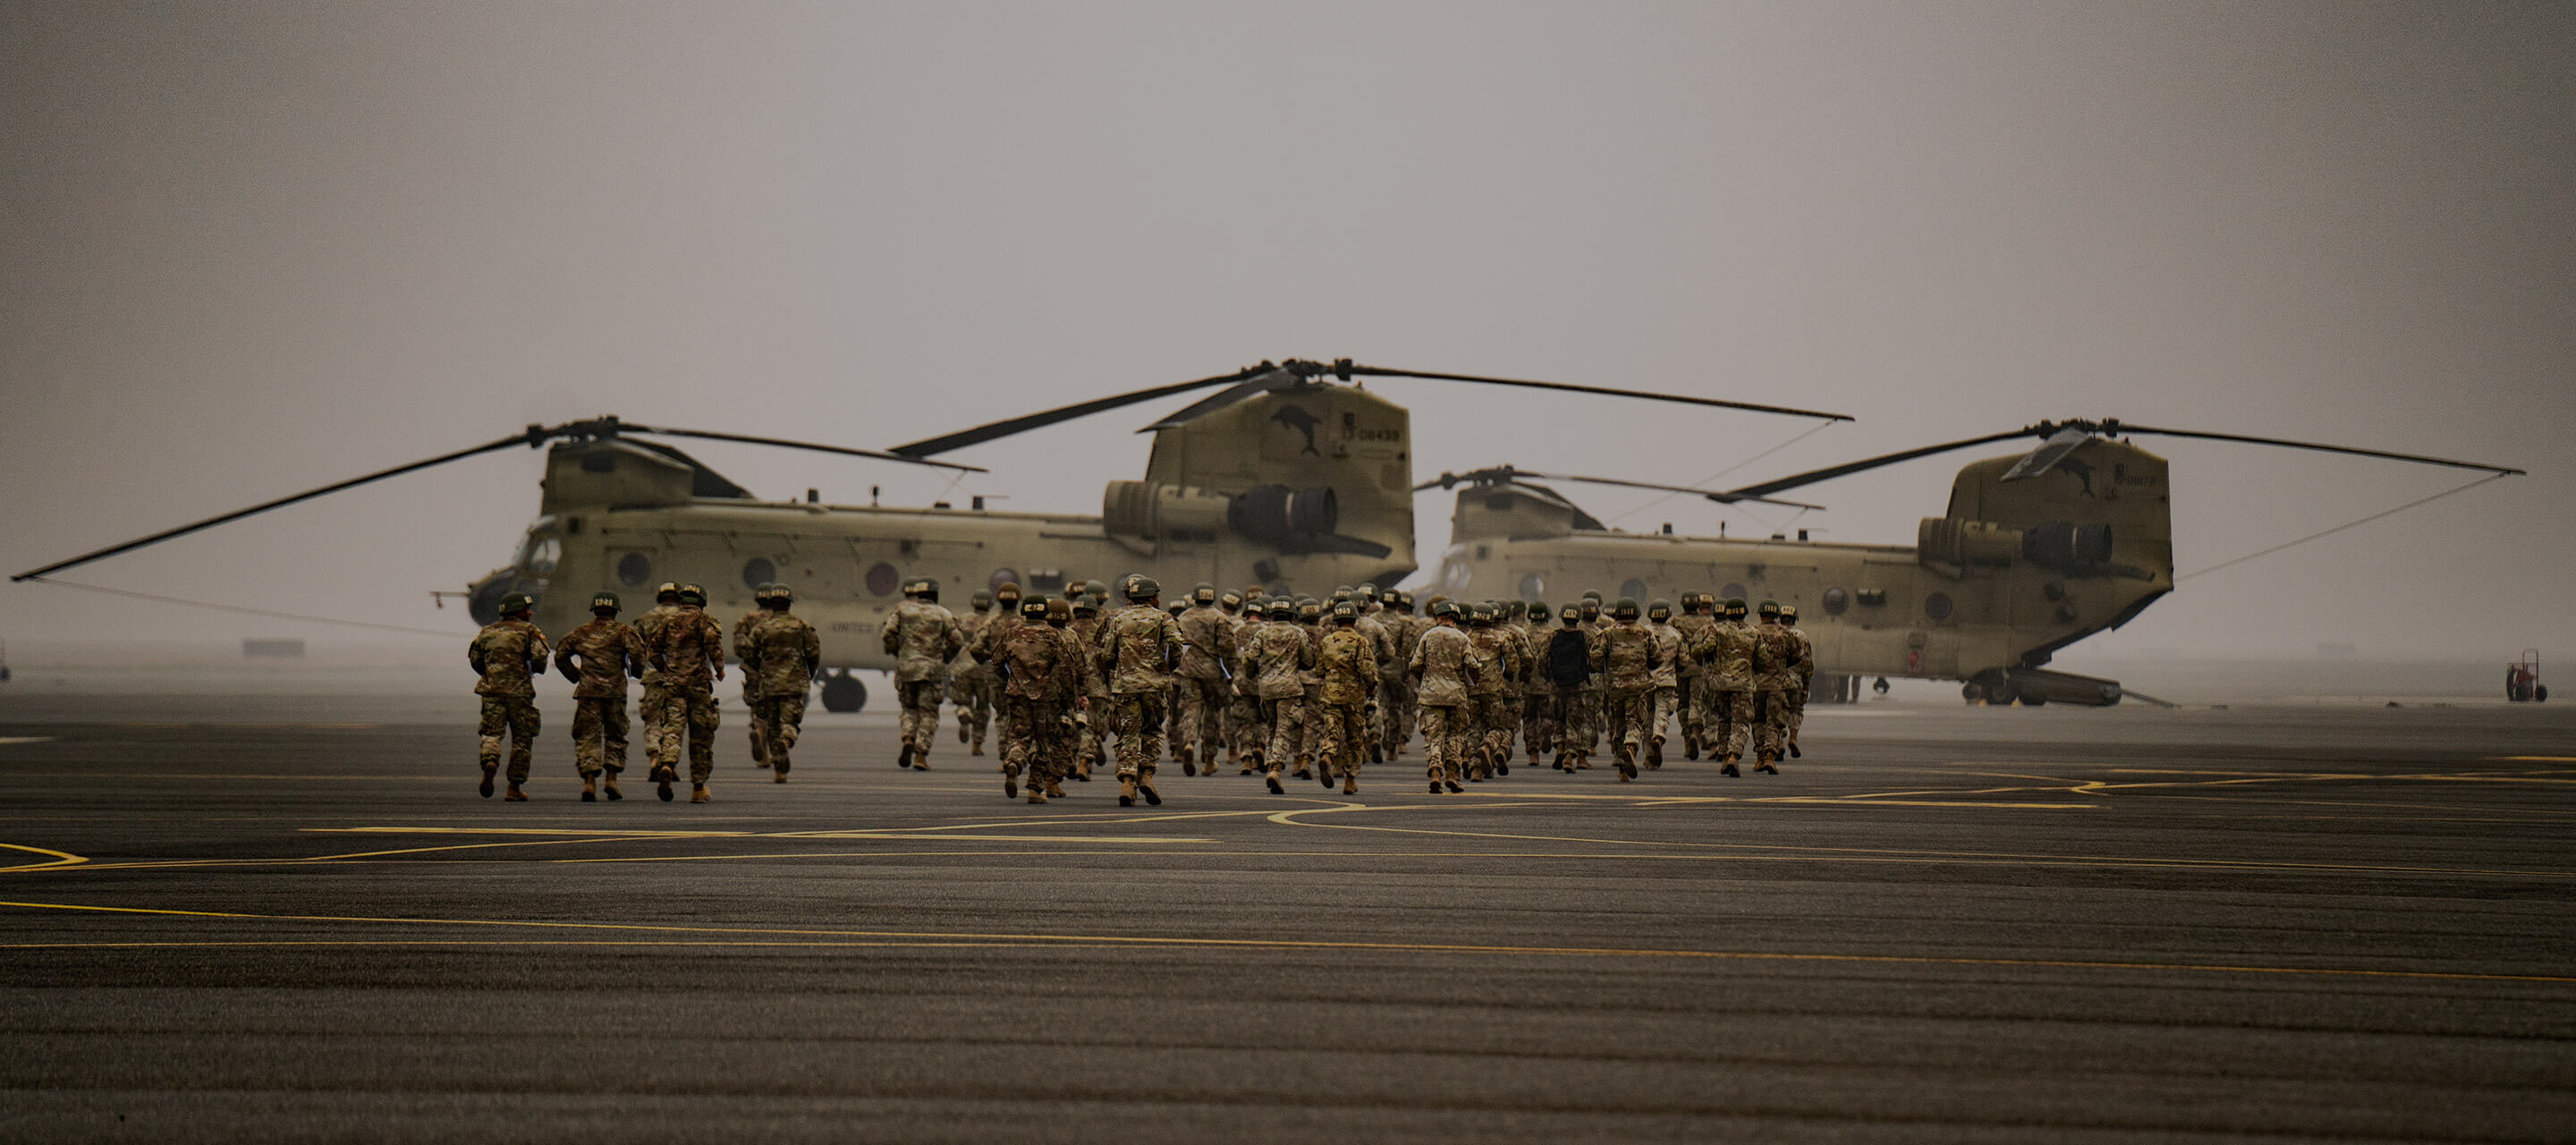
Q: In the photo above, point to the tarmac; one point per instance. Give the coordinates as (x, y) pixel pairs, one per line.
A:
(233, 917)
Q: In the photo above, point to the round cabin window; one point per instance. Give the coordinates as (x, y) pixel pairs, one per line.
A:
(882, 579)
(1730, 592)
(1532, 586)
(1634, 590)
(1002, 577)
(1937, 606)
(634, 569)
(758, 571)
(1835, 601)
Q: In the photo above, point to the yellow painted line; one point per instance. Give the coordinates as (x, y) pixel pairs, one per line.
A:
(1181, 942)
(2536, 758)
(61, 858)
(26, 739)
(645, 833)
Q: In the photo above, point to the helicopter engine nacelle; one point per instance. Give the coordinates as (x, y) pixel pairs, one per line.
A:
(2061, 545)
(1272, 514)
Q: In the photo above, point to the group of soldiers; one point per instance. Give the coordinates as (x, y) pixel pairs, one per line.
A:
(1312, 689)
(1269, 684)
(678, 652)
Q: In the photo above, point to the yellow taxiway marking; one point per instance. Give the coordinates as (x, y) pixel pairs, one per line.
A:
(60, 858)
(769, 935)
(26, 739)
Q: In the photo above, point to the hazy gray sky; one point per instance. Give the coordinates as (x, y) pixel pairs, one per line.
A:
(254, 248)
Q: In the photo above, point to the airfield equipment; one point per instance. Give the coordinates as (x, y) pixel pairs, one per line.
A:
(2521, 679)
(2037, 550)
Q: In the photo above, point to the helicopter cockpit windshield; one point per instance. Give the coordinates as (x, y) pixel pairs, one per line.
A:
(540, 550)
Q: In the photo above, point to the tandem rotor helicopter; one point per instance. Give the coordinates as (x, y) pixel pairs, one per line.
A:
(1293, 474)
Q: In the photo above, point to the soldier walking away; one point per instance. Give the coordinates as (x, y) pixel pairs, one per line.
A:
(1277, 656)
(1569, 675)
(1802, 658)
(1538, 697)
(598, 658)
(1207, 647)
(689, 651)
(1691, 674)
(1242, 700)
(1382, 647)
(1348, 662)
(1626, 655)
(1085, 627)
(1493, 670)
(751, 680)
(970, 681)
(1665, 678)
(666, 604)
(1725, 651)
(1038, 670)
(1396, 701)
(783, 652)
(923, 638)
(508, 654)
(1775, 670)
(984, 645)
(1439, 671)
(1139, 647)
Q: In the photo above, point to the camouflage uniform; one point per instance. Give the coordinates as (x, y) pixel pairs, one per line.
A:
(1692, 677)
(507, 654)
(751, 688)
(1347, 660)
(1382, 649)
(923, 638)
(1395, 689)
(1279, 654)
(1137, 649)
(1493, 682)
(1625, 653)
(970, 681)
(689, 651)
(1571, 696)
(1666, 681)
(1439, 671)
(1085, 627)
(1310, 738)
(1244, 732)
(599, 657)
(1536, 702)
(783, 652)
(1726, 648)
(1207, 649)
(646, 626)
(1775, 671)
(1039, 672)
(1802, 662)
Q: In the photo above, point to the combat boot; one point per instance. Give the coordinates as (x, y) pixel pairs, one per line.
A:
(976, 748)
(1036, 795)
(1145, 787)
(1273, 780)
(489, 770)
(664, 775)
(1011, 784)
(698, 794)
(779, 775)
(1690, 747)
(962, 731)
(921, 759)
(1453, 786)
(1053, 789)
(1326, 775)
(903, 762)
(1794, 753)
(1729, 770)
(609, 788)
(1350, 783)
(514, 795)
(1435, 787)
(1126, 791)
(1305, 768)
(590, 791)
(1189, 759)
(1763, 764)
(1655, 754)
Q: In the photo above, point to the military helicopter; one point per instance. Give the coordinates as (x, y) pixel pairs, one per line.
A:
(2036, 551)
(1289, 474)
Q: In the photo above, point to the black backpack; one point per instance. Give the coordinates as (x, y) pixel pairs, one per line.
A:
(1569, 657)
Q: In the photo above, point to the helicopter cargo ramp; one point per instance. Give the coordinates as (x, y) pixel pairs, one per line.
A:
(247, 919)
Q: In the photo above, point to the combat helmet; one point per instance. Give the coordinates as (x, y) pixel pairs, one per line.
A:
(1788, 614)
(604, 599)
(694, 594)
(1659, 610)
(1444, 607)
(1571, 614)
(1538, 612)
(1770, 608)
(1035, 608)
(1345, 612)
(517, 602)
(669, 593)
(1141, 588)
(1626, 609)
(1007, 593)
(1281, 608)
(982, 600)
(1735, 608)
(1205, 593)
(780, 593)
(1058, 610)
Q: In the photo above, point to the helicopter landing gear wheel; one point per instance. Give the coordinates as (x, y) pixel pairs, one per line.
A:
(2539, 692)
(1972, 691)
(844, 693)
(1880, 687)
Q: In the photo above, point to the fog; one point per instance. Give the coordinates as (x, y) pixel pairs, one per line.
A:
(256, 248)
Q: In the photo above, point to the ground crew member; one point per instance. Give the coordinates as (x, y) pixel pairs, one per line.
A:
(751, 680)
(1039, 670)
(1803, 656)
(970, 681)
(1207, 647)
(1691, 674)
(1278, 655)
(1139, 647)
(689, 650)
(1085, 627)
(785, 653)
(1439, 671)
(666, 604)
(598, 658)
(508, 654)
(1347, 660)
(1775, 671)
(923, 638)
(1665, 677)
(1625, 653)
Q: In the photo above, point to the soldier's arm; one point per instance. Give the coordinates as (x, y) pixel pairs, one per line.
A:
(564, 662)
(474, 655)
(634, 652)
(813, 652)
(889, 632)
(538, 650)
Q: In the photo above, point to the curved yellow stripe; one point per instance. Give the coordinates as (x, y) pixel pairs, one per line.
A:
(61, 858)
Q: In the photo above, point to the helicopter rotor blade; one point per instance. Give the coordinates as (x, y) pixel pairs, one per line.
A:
(534, 436)
(1722, 498)
(1848, 468)
(2115, 428)
(783, 443)
(1043, 418)
(1348, 370)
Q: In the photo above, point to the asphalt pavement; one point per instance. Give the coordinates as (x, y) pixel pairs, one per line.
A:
(227, 919)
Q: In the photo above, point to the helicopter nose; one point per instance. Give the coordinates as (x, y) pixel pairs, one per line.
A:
(483, 597)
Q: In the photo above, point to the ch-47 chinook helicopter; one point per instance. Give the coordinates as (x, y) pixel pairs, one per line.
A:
(2037, 551)
(1285, 476)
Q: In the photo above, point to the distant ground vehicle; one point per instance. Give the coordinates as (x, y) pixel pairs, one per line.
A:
(2522, 679)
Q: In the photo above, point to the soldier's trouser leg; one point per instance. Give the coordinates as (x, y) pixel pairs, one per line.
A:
(699, 706)
(1489, 737)
(1772, 724)
(1138, 720)
(516, 718)
(1727, 730)
(1534, 724)
(1310, 736)
(752, 733)
(1796, 699)
(598, 735)
(1436, 742)
(1020, 749)
(1662, 714)
(662, 735)
(920, 721)
(1245, 730)
(1201, 730)
(1342, 725)
(651, 707)
(782, 720)
(1578, 736)
(1286, 717)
